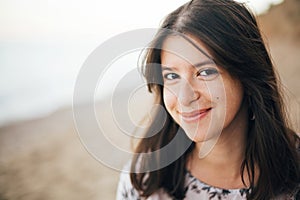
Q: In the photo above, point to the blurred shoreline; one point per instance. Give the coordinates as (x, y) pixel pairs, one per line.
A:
(45, 159)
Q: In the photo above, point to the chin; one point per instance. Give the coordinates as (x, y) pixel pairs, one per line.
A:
(202, 136)
(198, 137)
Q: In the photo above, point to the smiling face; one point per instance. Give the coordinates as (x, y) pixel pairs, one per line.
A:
(201, 97)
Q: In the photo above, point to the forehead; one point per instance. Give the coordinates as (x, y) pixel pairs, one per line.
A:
(188, 49)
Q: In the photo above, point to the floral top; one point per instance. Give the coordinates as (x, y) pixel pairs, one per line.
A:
(195, 189)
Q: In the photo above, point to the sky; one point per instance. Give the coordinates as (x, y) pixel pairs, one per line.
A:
(80, 21)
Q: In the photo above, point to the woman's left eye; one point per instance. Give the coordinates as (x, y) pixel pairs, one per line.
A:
(208, 73)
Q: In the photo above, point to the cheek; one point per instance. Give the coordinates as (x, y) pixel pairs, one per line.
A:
(169, 99)
(216, 93)
(234, 100)
(219, 101)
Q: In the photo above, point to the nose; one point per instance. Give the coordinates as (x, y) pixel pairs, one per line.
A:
(188, 94)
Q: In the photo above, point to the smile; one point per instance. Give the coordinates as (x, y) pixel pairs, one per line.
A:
(195, 116)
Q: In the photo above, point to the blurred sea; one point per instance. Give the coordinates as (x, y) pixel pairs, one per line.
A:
(37, 78)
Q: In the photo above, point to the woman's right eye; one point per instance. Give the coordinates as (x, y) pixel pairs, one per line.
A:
(171, 76)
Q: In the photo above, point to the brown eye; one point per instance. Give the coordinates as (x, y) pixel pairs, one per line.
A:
(208, 73)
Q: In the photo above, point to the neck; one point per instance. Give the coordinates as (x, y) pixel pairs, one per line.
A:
(221, 167)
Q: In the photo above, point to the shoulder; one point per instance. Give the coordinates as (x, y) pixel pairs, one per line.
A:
(125, 189)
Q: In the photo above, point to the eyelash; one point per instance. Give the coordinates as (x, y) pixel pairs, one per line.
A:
(168, 74)
(210, 73)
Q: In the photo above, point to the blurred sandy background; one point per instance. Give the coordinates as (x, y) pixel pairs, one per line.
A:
(44, 158)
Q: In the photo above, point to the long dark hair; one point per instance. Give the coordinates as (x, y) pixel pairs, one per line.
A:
(231, 35)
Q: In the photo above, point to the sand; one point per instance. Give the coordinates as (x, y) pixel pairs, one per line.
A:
(49, 158)
(44, 159)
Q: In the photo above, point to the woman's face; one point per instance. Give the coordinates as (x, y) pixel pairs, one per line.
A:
(201, 97)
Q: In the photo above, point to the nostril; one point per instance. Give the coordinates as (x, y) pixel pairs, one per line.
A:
(186, 98)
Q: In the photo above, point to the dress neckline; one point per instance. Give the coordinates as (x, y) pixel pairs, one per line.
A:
(206, 185)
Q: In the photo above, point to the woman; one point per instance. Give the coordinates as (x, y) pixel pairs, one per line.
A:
(209, 68)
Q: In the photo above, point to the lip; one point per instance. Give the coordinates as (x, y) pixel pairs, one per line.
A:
(194, 116)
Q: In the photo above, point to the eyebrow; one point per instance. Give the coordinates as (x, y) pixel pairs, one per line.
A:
(197, 65)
